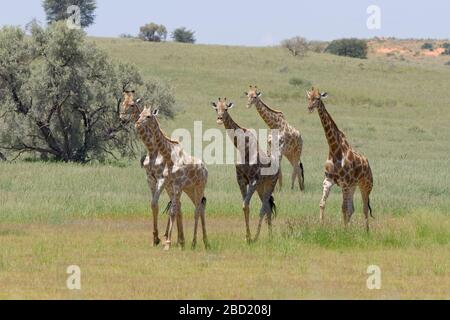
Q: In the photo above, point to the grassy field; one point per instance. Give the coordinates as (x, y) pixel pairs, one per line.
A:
(98, 217)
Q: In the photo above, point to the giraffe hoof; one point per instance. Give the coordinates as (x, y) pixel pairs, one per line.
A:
(167, 246)
(156, 242)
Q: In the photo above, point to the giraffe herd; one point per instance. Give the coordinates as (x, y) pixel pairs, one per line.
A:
(170, 168)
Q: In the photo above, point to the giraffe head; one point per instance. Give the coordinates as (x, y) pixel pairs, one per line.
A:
(253, 96)
(129, 109)
(146, 118)
(221, 107)
(315, 98)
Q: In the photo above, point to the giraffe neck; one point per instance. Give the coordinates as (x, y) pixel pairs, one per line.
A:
(229, 124)
(271, 117)
(163, 143)
(135, 115)
(335, 138)
(149, 141)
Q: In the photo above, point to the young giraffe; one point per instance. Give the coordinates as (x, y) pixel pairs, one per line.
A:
(345, 167)
(154, 164)
(291, 141)
(249, 174)
(185, 173)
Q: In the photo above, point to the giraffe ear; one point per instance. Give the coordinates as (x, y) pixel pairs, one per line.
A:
(246, 93)
(258, 94)
(230, 105)
(138, 100)
(323, 95)
(213, 105)
(155, 112)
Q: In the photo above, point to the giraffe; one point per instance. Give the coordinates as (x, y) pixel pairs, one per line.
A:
(345, 167)
(185, 174)
(291, 141)
(153, 163)
(249, 174)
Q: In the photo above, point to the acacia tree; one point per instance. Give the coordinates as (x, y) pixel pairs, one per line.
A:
(153, 32)
(183, 35)
(60, 97)
(298, 46)
(57, 10)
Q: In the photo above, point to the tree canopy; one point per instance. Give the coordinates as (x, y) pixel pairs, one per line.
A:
(183, 35)
(60, 96)
(153, 32)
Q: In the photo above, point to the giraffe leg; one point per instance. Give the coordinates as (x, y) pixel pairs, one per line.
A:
(158, 187)
(180, 240)
(301, 177)
(296, 172)
(327, 184)
(243, 188)
(246, 208)
(196, 216)
(347, 204)
(294, 175)
(175, 210)
(264, 212)
(198, 199)
(365, 192)
(203, 217)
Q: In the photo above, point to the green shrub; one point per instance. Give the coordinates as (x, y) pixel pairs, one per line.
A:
(427, 46)
(355, 48)
(183, 35)
(446, 47)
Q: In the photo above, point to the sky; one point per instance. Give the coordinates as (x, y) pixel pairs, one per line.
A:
(256, 23)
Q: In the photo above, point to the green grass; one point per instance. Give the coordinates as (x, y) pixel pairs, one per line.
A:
(97, 216)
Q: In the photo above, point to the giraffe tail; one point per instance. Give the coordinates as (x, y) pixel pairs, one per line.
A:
(273, 207)
(204, 201)
(167, 207)
(302, 172)
(370, 209)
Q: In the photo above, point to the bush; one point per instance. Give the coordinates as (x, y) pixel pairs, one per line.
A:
(183, 35)
(446, 47)
(317, 46)
(298, 46)
(153, 32)
(427, 46)
(355, 48)
(60, 96)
